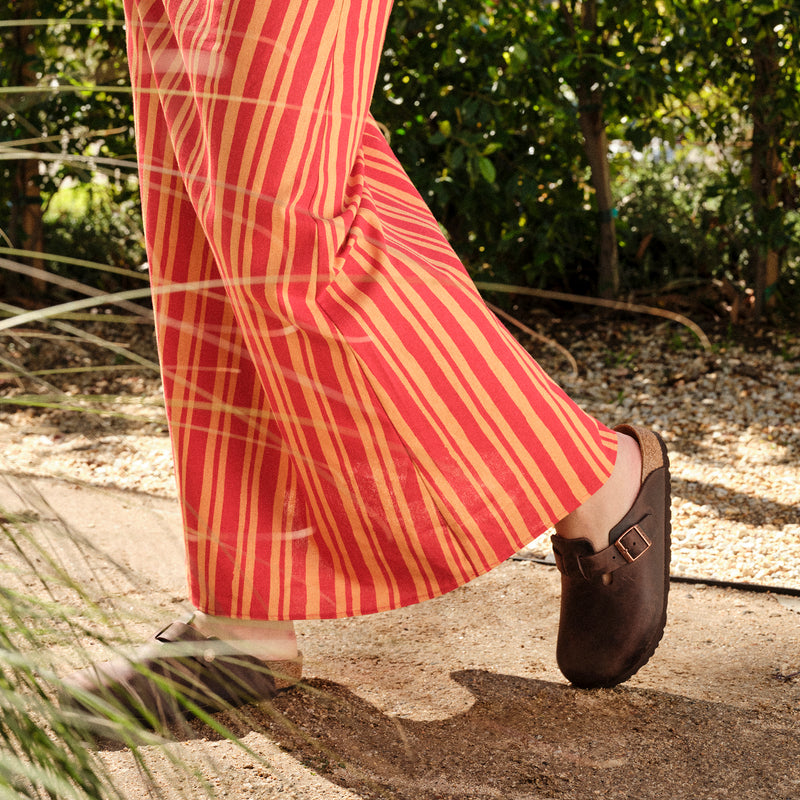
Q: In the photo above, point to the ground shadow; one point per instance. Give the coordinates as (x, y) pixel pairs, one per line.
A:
(735, 506)
(531, 739)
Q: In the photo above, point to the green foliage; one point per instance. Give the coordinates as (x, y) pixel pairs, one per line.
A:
(482, 105)
(102, 223)
(679, 220)
(749, 106)
(67, 83)
(64, 98)
(467, 101)
(482, 102)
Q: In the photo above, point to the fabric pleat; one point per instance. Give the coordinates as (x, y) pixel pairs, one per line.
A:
(353, 430)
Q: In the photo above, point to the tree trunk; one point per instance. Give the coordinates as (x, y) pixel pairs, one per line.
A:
(765, 169)
(29, 233)
(27, 229)
(596, 146)
(595, 141)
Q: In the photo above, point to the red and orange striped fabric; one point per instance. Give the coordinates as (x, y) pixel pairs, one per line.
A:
(353, 431)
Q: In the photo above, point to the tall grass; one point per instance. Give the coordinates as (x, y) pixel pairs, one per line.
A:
(48, 620)
(44, 754)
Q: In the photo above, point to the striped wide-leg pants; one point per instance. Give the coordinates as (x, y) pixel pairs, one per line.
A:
(352, 430)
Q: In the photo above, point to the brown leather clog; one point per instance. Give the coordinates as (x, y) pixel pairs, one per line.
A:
(178, 670)
(614, 602)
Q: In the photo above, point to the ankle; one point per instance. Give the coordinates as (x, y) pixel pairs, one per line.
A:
(269, 640)
(603, 510)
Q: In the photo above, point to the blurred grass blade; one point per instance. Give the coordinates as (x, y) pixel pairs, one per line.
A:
(74, 262)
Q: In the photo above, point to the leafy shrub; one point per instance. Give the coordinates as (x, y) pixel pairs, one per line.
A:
(464, 96)
(684, 218)
(677, 221)
(100, 223)
(478, 103)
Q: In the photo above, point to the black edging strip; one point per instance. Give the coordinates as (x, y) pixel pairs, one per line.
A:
(738, 585)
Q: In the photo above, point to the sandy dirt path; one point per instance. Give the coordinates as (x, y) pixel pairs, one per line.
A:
(458, 698)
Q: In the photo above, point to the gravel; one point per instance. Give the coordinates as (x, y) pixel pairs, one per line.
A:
(730, 416)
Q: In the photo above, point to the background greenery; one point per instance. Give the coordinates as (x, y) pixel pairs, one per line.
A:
(612, 148)
(504, 112)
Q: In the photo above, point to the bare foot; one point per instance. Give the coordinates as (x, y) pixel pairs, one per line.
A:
(604, 509)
